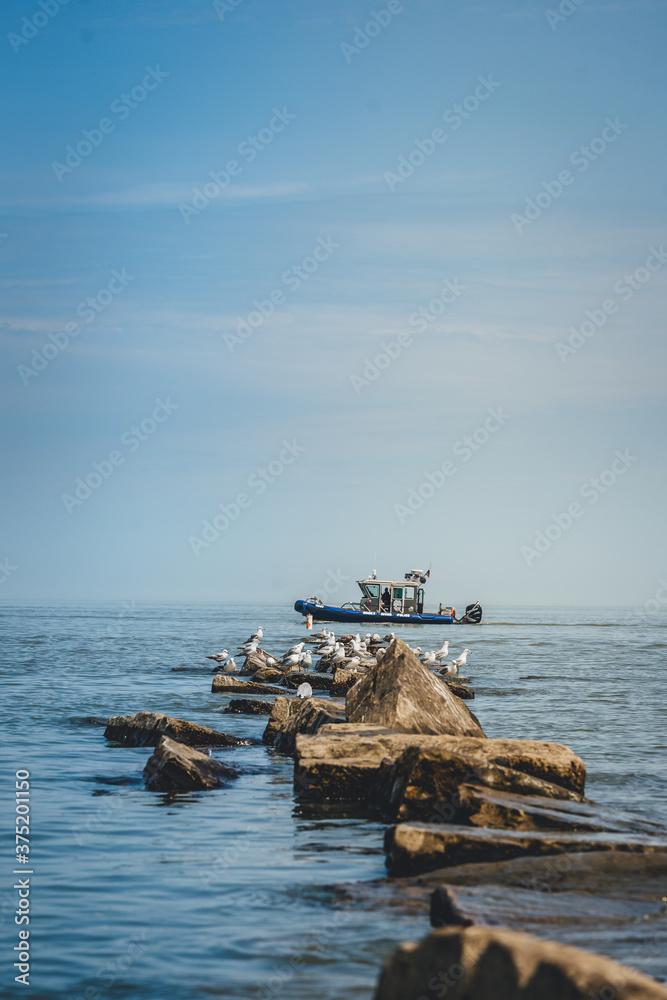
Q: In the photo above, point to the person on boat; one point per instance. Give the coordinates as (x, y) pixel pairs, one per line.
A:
(386, 599)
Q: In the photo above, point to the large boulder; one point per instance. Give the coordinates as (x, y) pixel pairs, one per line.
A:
(490, 963)
(280, 713)
(145, 729)
(228, 684)
(426, 782)
(412, 848)
(401, 693)
(307, 718)
(176, 767)
(342, 764)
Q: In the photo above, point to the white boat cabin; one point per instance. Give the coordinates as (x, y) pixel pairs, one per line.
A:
(395, 596)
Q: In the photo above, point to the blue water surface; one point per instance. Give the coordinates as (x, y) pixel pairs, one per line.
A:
(230, 893)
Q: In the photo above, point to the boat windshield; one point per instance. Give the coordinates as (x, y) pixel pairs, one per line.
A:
(371, 599)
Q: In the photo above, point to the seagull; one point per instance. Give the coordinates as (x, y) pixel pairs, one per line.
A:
(353, 664)
(220, 657)
(380, 653)
(230, 666)
(306, 660)
(292, 661)
(338, 656)
(270, 662)
(304, 690)
(442, 652)
(257, 635)
(427, 659)
(295, 649)
(453, 667)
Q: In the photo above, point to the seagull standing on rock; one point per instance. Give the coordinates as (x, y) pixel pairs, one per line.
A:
(219, 657)
(230, 666)
(442, 652)
(453, 667)
(304, 690)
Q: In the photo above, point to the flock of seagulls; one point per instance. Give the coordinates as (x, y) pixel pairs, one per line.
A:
(332, 652)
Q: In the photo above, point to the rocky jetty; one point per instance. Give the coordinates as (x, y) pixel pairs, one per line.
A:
(402, 694)
(176, 767)
(484, 831)
(146, 729)
(481, 963)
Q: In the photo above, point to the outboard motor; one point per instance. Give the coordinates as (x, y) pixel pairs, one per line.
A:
(472, 616)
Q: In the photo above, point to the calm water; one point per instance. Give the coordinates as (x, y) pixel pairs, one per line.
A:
(227, 893)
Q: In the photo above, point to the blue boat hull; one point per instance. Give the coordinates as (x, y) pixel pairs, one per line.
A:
(326, 613)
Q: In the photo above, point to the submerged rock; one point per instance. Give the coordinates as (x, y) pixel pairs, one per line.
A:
(490, 963)
(228, 684)
(310, 714)
(176, 767)
(500, 809)
(402, 694)
(249, 706)
(420, 847)
(145, 729)
(318, 682)
(460, 690)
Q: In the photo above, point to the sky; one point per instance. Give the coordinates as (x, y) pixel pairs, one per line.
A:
(290, 288)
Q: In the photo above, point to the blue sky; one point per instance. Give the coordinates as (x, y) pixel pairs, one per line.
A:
(531, 257)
